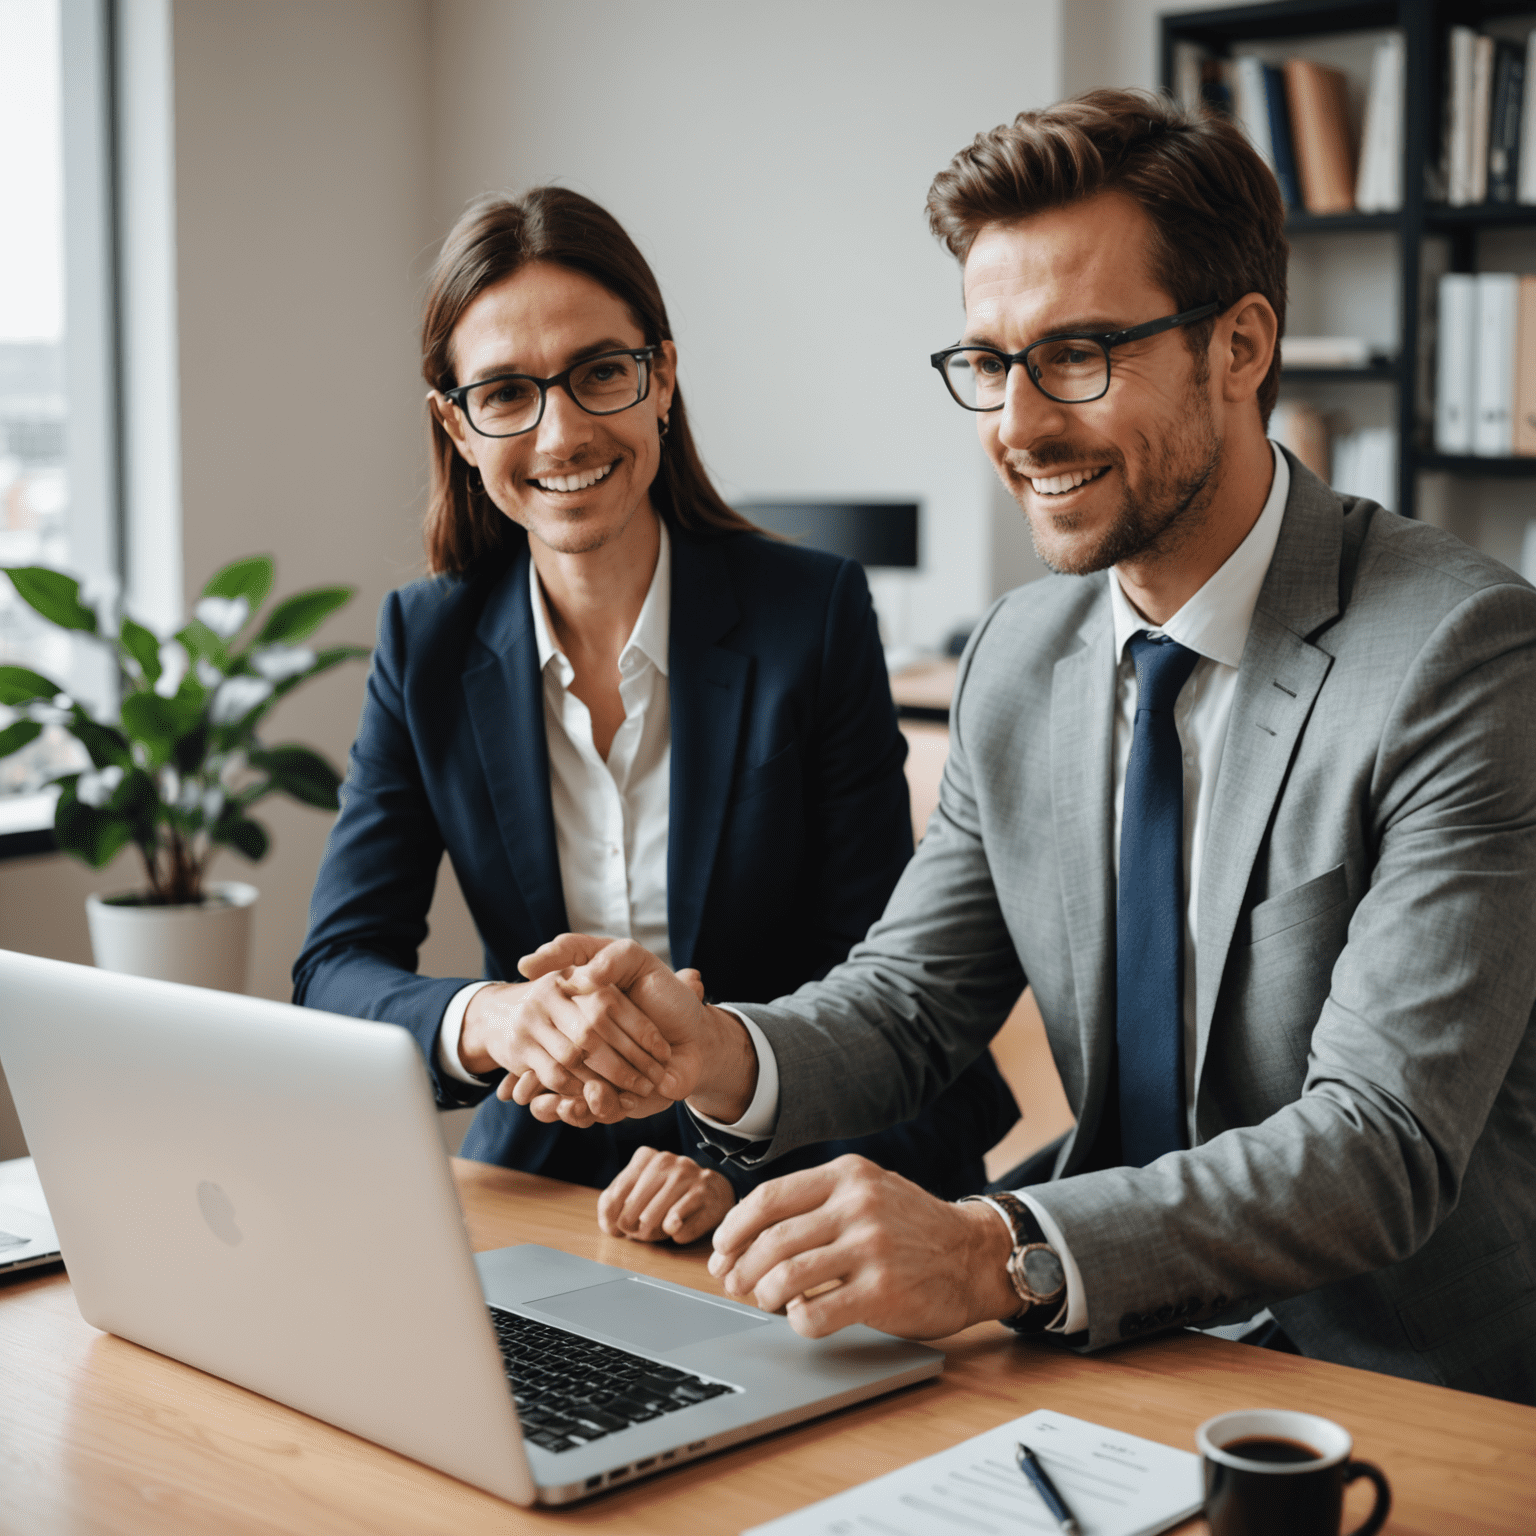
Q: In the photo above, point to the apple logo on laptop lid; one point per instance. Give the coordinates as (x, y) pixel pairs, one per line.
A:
(219, 1212)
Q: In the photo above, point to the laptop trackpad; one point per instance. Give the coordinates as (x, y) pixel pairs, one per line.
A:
(646, 1316)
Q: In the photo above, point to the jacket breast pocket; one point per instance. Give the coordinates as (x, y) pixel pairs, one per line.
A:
(1278, 974)
(1300, 904)
(783, 768)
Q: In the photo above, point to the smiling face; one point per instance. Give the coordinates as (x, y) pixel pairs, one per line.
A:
(1125, 478)
(576, 481)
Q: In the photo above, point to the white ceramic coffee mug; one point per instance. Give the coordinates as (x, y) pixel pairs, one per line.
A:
(1274, 1472)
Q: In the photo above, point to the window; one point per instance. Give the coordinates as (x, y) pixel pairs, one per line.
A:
(58, 438)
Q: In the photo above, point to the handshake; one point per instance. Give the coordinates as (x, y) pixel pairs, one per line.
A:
(602, 1031)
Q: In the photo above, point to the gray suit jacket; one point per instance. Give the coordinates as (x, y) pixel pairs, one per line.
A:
(1365, 1085)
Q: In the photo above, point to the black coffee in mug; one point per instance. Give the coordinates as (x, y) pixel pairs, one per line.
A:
(1271, 1472)
(1257, 1448)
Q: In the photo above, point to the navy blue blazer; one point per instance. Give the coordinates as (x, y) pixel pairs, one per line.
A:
(789, 826)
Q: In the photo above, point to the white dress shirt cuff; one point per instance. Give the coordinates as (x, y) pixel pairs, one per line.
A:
(1077, 1306)
(762, 1114)
(448, 1036)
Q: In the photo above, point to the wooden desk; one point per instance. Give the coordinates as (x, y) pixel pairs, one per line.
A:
(100, 1436)
(925, 691)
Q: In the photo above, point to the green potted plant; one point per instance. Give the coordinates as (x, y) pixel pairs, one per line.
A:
(180, 767)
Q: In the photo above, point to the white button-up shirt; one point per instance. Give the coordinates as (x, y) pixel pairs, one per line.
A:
(612, 817)
(1214, 623)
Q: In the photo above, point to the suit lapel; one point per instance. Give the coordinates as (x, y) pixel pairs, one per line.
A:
(708, 689)
(1277, 684)
(1082, 806)
(504, 694)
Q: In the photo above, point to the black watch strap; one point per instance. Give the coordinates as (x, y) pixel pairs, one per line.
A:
(1034, 1267)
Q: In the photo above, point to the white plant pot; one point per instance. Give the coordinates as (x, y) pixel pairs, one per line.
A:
(208, 945)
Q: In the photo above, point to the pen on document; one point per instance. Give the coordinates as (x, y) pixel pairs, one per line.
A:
(1029, 1465)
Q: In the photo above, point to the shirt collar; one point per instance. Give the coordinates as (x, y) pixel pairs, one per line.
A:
(652, 633)
(1215, 621)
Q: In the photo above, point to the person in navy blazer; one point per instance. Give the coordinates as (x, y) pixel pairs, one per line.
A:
(788, 817)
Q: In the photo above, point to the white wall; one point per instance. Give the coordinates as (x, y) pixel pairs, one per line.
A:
(302, 167)
(771, 162)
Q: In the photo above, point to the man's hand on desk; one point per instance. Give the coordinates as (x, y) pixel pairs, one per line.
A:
(709, 1061)
(662, 1195)
(865, 1246)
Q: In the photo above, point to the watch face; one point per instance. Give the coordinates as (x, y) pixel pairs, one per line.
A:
(1043, 1273)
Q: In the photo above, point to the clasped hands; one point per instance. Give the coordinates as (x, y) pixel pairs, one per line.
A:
(602, 1030)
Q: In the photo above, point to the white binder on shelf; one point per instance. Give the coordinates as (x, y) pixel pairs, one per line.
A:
(1493, 389)
(1379, 187)
(1453, 373)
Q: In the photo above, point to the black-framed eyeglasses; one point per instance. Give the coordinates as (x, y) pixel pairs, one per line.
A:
(1071, 369)
(512, 403)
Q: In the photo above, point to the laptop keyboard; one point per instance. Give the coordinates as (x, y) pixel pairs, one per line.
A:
(571, 1389)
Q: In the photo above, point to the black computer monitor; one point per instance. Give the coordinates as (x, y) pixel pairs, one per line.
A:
(875, 533)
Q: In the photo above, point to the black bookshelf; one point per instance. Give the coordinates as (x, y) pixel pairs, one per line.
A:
(1298, 223)
(1425, 25)
(1478, 469)
(1371, 373)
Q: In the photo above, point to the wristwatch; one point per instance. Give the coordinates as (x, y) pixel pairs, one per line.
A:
(1035, 1269)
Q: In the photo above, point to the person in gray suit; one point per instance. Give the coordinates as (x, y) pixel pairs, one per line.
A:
(1246, 793)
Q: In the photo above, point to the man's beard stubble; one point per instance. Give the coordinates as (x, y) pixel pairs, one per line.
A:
(1156, 519)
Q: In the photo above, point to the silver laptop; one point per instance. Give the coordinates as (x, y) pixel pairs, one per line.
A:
(27, 1238)
(261, 1192)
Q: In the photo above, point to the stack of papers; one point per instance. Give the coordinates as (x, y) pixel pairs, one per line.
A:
(1116, 1485)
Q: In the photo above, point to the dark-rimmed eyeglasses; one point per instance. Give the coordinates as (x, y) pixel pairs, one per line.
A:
(513, 403)
(1071, 369)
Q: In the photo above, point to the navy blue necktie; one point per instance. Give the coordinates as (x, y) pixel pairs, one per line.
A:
(1149, 923)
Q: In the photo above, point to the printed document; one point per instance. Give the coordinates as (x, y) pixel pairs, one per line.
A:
(1116, 1485)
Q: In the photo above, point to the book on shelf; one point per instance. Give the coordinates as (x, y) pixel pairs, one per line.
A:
(1458, 118)
(1456, 334)
(1296, 425)
(1365, 464)
(1354, 463)
(1188, 58)
(1524, 425)
(1250, 105)
(1258, 100)
(1318, 98)
(1493, 384)
(1526, 178)
(1281, 142)
(1480, 107)
(1302, 132)
(1379, 184)
(1216, 86)
(1490, 112)
(1485, 374)
(1504, 122)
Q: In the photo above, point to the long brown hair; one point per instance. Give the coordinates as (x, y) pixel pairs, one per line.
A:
(1218, 221)
(493, 238)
